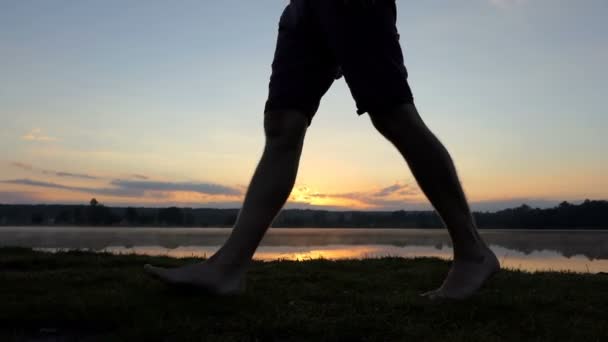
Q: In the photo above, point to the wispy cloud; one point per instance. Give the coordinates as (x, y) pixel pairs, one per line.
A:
(23, 166)
(69, 174)
(400, 189)
(202, 188)
(125, 188)
(138, 176)
(29, 167)
(37, 135)
(119, 192)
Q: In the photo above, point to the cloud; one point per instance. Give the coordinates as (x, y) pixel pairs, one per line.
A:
(201, 188)
(29, 167)
(119, 192)
(138, 176)
(23, 166)
(69, 174)
(123, 188)
(364, 200)
(400, 189)
(36, 135)
(396, 191)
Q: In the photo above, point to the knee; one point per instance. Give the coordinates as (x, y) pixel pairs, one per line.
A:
(401, 122)
(284, 129)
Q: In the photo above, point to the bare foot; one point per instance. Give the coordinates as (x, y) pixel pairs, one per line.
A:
(201, 276)
(466, 277)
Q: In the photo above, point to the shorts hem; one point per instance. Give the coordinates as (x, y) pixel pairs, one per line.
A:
(387, 106)
(308, 111)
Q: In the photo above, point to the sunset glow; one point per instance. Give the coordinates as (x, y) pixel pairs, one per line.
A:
(93, 105)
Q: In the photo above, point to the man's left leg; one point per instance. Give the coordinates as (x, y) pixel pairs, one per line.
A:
(373, 66)
(436, 175)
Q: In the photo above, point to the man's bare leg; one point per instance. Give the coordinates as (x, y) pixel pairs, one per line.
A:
(269, 189)
(436, 175)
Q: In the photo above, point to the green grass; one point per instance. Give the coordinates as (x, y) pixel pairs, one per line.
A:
(99, 297)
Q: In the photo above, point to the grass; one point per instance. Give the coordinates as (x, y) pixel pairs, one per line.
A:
(83, 296)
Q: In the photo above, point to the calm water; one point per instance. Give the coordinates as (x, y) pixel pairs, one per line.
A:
(530, 250)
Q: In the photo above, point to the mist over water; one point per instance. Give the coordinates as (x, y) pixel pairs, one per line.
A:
(529, 250)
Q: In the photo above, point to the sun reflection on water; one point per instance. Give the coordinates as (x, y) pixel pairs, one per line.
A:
(543, 260)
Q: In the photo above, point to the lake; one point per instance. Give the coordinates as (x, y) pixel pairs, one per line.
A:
(529, 250)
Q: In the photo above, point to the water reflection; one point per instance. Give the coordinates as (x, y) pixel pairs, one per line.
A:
(544, 260)
(530, 250)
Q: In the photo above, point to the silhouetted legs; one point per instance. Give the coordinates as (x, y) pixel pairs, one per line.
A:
(436, 175)
(268, 191)
(274, 179)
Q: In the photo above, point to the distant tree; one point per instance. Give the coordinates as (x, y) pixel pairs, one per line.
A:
(63, 217)
(146, 219)
(37, 218)
(131, 215)
(588, 214)
(77, 215)
(171, 216)
(319, 219)
(98, 214)
(230, 219)
(189, 219)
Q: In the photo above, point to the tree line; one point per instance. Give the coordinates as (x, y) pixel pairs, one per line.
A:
(586, 215)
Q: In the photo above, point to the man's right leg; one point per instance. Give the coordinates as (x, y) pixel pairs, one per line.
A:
(268, 191)
(371, 58)
(436, 175)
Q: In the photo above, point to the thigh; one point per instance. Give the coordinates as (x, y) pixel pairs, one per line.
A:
(364, 39)
(303, 68)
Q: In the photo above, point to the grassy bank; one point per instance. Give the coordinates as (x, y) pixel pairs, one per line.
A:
(84, 296)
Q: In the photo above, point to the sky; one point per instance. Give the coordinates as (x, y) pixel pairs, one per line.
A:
(157, 103)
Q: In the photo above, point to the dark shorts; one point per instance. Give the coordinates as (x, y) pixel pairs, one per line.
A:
(320, 40)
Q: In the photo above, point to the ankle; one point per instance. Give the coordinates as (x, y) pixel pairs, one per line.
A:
(474, 254)
(471, 254)
(229, 269)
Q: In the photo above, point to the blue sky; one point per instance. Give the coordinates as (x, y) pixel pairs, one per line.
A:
(174, 92)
